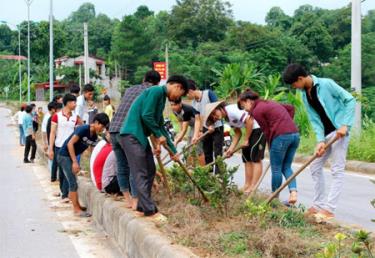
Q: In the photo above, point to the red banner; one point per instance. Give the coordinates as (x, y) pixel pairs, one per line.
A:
(161, 67)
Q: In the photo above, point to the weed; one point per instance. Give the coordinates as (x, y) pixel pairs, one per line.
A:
(234, 243)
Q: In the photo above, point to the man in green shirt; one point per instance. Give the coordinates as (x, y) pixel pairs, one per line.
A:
(144, 119)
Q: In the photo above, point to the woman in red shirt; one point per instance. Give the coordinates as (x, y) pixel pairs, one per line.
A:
(276, 122)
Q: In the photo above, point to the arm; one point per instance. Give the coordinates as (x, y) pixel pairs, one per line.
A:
(52, 138)
(249, 122)
(236, 139)
(72, 154)
(197, 127)
(183, 129)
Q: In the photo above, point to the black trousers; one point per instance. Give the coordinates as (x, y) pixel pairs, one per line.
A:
(30, 143)
(143, 170)
(213, 144)
(113, 187)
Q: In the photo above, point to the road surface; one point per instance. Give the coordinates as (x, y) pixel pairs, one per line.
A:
(33, 223)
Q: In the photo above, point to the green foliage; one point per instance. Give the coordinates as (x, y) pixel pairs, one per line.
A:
(291, 218)
(234, 243)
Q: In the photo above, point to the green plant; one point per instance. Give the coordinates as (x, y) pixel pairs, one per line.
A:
(234, 243)
(218, 187)
(333, 249)
(362, 243)
(291, 218)
(258, 210)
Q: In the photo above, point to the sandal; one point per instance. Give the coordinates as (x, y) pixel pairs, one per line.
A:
(82, 214)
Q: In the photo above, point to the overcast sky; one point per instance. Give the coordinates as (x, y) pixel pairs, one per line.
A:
(15, 11)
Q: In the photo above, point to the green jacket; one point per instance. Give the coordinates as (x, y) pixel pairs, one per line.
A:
(145, 116)
(338, 104)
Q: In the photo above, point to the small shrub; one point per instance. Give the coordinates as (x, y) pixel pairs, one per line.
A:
(234, 243)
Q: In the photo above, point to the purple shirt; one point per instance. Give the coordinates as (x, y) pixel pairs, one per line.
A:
(273, 118)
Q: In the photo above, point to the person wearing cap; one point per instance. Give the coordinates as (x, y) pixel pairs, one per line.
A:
(254, 142)
(188, 116)
(276, 122)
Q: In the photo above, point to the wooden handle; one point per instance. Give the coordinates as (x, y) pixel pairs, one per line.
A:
(259, 181)
(276, 193)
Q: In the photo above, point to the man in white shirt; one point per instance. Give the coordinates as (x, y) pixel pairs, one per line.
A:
(254, 142)
(82, 102)
(19, 117)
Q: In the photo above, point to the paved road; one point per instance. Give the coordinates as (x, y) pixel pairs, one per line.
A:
(354, 206)
(32, 222)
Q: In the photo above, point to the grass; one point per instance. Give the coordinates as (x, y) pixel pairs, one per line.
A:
(360, 147)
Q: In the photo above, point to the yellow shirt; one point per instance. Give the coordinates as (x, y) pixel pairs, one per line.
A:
(109, 111)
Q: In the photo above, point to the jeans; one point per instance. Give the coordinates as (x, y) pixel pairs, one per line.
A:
(213, 144)
(66, 164)
(22, 135)
(64, 187)
(283, 149)
(30, 143)
(337, 152)
(143, 169)
(52, 165)
(124, 176)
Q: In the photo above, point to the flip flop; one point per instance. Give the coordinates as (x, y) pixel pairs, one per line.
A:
(82, 214)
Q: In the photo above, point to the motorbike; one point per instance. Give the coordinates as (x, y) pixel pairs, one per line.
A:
(227, 137)
(169, 127)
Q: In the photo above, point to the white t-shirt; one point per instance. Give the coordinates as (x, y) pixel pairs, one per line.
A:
(45, 121)
(19, 117)
(81, 108)
(65, 127)
(237, 117)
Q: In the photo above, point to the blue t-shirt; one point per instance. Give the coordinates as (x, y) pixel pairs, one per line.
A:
(27, 125)
(85, 140)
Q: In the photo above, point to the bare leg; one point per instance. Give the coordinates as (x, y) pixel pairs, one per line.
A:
(256, 173)
(73, 196)
(128, 199)
(248, 177)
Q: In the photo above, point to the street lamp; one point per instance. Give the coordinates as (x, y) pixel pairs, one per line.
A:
(19, 56)
(51, 52)
(28, 3)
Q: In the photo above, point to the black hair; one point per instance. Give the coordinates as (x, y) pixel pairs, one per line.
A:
(22, 107)
(75, 89)
(51, 105)
(152, 77)
(181, 80)
(102, 119)
(177, 101)
(192, 85)
(106, 97)
(58, 105)
(57, 97)
(28, 109)
(247, 94)
(88, 88)
(69, 97)
(292, 72)
(33, 105)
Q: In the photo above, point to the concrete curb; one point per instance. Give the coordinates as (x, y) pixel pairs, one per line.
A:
(136, 237)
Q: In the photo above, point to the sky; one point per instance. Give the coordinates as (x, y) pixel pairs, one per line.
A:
(15, 11)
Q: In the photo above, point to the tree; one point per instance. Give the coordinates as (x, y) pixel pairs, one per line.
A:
(85, 13)
(277, 18)
(5, 38)
(195, 21)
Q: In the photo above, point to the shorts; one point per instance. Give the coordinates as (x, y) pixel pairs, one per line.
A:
(257, 146)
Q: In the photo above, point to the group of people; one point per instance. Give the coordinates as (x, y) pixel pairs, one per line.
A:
(136, 133)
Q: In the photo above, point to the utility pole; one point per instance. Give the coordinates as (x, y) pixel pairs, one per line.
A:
(19, 62)
(51, 81)
(86, 52)
(166, 61)
(356, 64)
(80, 76)
(28, 3)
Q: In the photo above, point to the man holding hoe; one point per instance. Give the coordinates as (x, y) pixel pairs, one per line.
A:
(331, 111)
(144, 119)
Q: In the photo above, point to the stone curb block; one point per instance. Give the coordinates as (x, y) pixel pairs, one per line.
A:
(136, 237)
